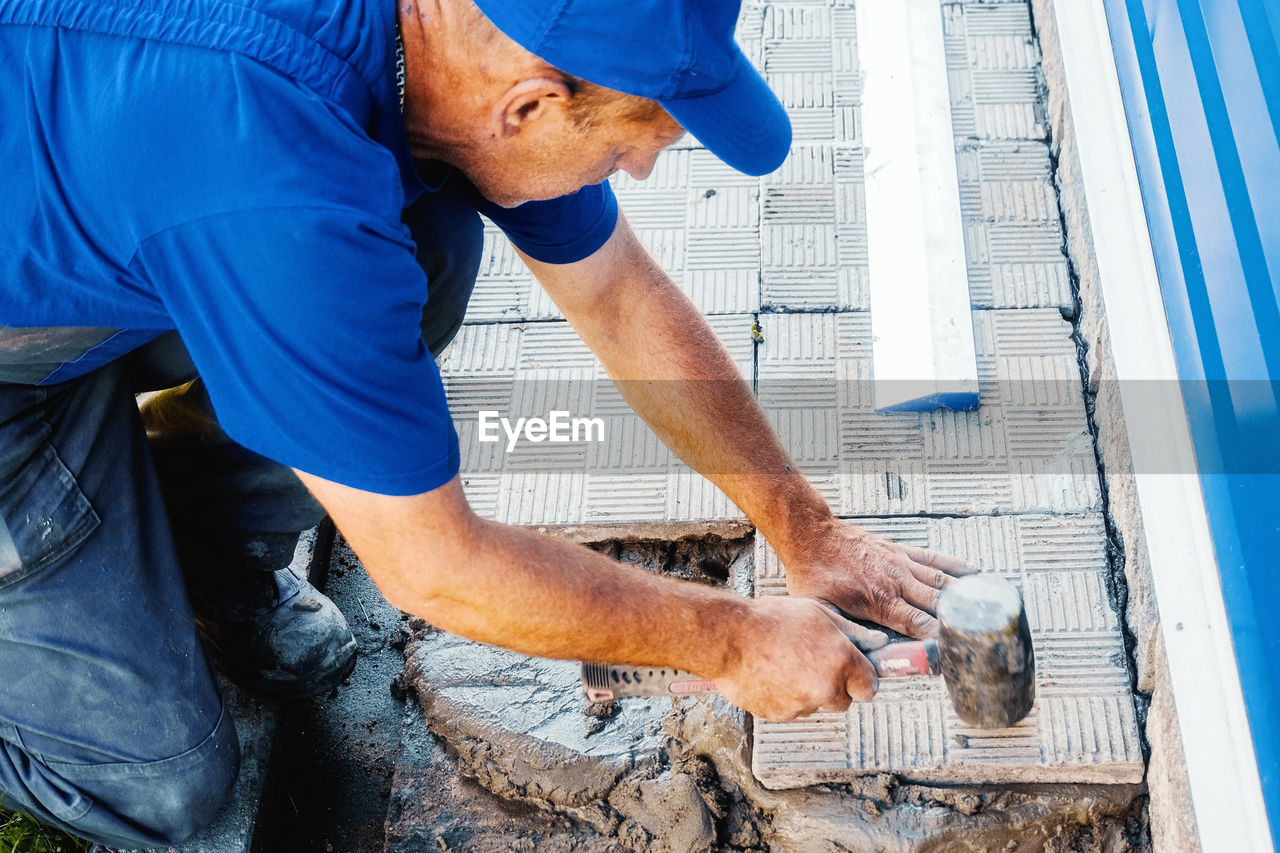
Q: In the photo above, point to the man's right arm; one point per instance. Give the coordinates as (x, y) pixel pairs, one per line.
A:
(433, 557)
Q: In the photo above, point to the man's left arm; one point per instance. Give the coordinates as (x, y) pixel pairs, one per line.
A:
(673, 371)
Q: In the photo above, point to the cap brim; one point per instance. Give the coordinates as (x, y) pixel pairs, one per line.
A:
(744, 124)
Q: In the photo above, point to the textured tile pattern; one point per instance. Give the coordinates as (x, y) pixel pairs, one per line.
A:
(531, 369)
(1026, 449)
(1082, 727)
(796, 239)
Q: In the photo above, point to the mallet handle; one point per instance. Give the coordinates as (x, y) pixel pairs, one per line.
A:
(605, 682)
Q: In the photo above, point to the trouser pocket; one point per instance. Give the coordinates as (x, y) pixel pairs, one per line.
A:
(43, 514)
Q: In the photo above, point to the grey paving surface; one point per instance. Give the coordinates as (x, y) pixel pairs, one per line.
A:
(790, 244)
(531, 369)
(789, 251)
(1082, 727)
(1026, 449)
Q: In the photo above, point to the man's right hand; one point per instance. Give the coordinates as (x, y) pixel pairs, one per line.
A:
(797, 657)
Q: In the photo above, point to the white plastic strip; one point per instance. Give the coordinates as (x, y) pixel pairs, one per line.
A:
(923, 348)
(1225, 790)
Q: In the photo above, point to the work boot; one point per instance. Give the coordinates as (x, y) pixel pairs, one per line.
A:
(274, 631)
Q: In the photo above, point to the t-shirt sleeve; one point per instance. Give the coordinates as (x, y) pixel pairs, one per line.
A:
(304, 324)
(560, 230)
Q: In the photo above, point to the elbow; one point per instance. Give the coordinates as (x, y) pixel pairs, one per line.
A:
(425, 581)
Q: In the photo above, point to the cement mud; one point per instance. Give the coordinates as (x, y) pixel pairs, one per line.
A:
(501, 752)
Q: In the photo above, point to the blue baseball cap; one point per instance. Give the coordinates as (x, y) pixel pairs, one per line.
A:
(680, 53)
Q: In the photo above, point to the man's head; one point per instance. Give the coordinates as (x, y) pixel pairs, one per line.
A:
(522, 128)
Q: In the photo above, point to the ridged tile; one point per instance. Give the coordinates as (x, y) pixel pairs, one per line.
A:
(1082, 727)
(528, 370)
(1027, 447)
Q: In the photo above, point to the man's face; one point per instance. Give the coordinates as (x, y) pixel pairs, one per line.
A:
(560, 156)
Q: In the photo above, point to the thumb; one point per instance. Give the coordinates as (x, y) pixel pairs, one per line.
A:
(863, 684)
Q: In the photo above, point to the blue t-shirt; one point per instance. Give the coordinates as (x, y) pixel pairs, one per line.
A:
(237, 170)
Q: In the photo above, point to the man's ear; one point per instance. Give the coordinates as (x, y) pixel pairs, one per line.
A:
(525, 102)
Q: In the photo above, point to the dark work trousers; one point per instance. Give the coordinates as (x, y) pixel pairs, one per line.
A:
(111, 725)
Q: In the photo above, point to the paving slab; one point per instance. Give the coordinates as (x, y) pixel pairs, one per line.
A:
(796, 239)
(1026, 449)
(531, 369)
(1083, 727)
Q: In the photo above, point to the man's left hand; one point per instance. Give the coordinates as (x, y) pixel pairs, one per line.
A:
(871, 578)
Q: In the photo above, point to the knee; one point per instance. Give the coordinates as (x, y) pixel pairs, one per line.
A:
(450, 240)
(179, 807)
(452, 265)
(165, 803)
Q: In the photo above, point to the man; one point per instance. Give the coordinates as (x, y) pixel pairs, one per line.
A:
(243, 173)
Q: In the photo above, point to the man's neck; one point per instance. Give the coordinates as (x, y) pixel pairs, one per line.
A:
(416, 21)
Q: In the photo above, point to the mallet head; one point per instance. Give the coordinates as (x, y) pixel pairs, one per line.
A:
(987, 659)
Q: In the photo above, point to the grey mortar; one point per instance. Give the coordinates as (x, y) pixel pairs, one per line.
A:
(519, 728)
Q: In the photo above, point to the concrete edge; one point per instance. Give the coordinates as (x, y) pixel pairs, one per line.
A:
(585, 534)
(953, 775)
(1188, 651)
(1115, 775)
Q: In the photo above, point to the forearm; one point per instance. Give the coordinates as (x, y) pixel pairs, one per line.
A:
(551, 598)
(706, 413)
(539, 595)
(431, 555)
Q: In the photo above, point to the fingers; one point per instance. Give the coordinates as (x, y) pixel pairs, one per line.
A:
(921, 595)
(953, 566)
(816, 667)
(908, 619)
(935, 578)
(865, 639)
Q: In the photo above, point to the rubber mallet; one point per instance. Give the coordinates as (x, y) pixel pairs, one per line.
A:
(983, 652)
